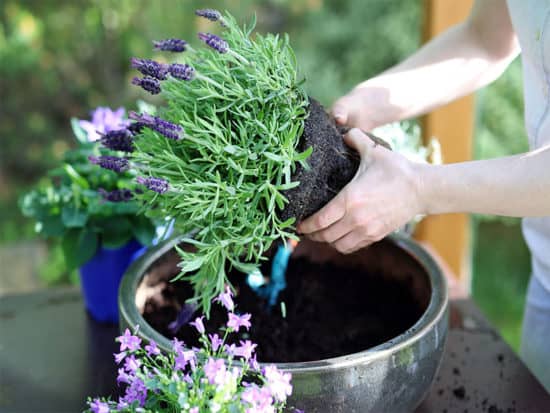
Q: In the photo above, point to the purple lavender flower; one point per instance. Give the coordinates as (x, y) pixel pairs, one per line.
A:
(116, 195)
(113, 163)
(198, 324)
(226, 299)
(118, 140)
(158, 185)
(128, 341)
(135, 128)
(97, 406)
(103, 120)
(210, 14)
(278, 382)
(181, 71)
(152, 348)
(245, 350)
(215, 42)
(235, 321)
(171, 45)
(168, 129)
(147, 83)
(149, 67)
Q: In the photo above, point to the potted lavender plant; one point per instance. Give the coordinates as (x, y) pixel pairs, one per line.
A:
(237, 155)
(93, 212)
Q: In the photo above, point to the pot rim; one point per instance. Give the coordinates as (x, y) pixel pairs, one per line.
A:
(436, 309)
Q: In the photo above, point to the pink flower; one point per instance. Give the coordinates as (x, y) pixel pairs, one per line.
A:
(183, 358)
(132, 364)
(97, 406)
(216, 341)
(152, 349)
(198, 324)
(245, 349)
(226, 299)
(215, 370)
(128, 341)
(235, 321)
(278, 383)
(119, 356)
(259, 399)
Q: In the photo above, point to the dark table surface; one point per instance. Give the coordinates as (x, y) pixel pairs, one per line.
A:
(52, 356)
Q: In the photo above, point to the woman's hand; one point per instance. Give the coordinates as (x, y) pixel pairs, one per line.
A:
(382, 197)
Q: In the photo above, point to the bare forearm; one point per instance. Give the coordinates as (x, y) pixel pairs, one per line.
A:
(513, 186)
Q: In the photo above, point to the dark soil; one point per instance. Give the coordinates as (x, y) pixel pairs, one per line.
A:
(330, 311)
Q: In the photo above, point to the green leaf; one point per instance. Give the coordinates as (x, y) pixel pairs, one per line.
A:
(76, 177)
(115, 232)
(73, 217)
(143, 230)
(79, 133)
(79, 246)
(51, 226)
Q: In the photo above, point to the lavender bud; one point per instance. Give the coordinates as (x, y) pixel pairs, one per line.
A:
(171, 45)
(118, 140)
(118, 195)
(148, 83)
(113, 163)
(168, 129)
(215, 42)
(150, 68)
(158, 185)
(135, 128)
(181, 71)
(210, 14)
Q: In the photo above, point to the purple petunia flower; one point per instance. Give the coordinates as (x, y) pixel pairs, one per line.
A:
(116, 195)
(235, 321)
(215, 42)
(171, 45)
(226, 299)
(113, 163)
(97, 406)
(118, 140)
(181, 71)
(103, 120)
(198, 324)
(158, 185)
(149, 67)
(128, 341)
(168, 129)
(210, 14)
(147, 83)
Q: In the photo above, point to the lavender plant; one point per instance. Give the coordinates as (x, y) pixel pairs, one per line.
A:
(85, 206)
(218, 377)
(221, 152)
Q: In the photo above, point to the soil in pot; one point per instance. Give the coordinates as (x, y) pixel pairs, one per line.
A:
(332, 164)
(331, 310)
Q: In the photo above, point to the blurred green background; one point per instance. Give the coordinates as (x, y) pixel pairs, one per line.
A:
(62, 58)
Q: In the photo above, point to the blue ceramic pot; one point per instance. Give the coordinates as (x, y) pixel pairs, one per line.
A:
(100, 278)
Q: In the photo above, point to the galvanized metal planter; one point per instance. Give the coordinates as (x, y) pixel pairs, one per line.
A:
(392, 377)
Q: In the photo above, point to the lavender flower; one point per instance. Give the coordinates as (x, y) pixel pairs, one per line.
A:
(135, 128)
(171, 45)
(118, 140)
(113, 163)
(181, 71)
(149, 67)
(158, 185)
(103, 120)
(215, 42)
(210, 14)
(168, 129)
(116, 195)
(148, 83)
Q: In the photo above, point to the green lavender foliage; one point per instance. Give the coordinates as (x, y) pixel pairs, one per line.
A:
(243, 115)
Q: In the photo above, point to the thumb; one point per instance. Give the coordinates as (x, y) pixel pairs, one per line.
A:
(357, 140)
(340, 110)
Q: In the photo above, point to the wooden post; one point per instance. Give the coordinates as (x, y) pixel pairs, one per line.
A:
(452, 125)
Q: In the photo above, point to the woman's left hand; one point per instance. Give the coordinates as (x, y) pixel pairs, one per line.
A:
(382, 197)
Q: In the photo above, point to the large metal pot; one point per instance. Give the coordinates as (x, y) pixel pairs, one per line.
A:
(391, 377)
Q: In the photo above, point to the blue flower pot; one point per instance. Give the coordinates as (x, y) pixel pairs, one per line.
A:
(100, 278)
